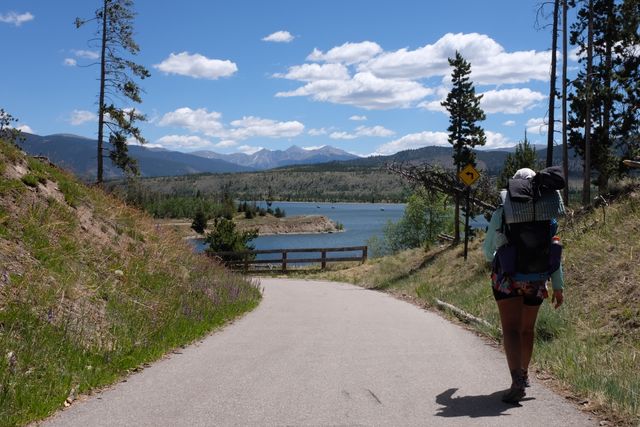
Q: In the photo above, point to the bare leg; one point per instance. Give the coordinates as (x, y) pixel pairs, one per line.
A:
(511, 316)
(527, 334)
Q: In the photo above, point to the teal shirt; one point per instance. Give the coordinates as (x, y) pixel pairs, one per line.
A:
(494, 239)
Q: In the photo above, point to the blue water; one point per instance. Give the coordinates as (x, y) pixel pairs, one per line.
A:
(361, 221)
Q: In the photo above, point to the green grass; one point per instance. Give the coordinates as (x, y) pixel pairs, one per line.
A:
(50, 363)
(9, 186)
(30, 180)
(71, 322)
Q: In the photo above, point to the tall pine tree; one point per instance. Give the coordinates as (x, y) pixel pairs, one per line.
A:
(605, 100)
(463, 106)
(114, 37)
(525, 156)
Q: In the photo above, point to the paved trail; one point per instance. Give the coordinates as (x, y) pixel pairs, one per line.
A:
(323, 353)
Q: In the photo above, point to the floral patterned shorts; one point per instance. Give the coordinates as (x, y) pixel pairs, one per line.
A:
(533, 292)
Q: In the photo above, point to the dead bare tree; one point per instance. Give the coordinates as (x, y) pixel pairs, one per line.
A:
(565, 149)
(435, 179)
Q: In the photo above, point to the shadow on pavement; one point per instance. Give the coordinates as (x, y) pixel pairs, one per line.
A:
(488, 405)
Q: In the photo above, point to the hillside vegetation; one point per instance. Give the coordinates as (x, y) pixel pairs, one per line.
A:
(590, 347)
(304, 184)
(91, 289)
(359, 180)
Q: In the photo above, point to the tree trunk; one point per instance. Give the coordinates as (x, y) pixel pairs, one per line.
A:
(586, 185)
(552, 84)
(101, 107)
(565, 149)
(456, 215)
(603, 180)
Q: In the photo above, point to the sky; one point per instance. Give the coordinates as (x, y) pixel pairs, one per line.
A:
(364, 76)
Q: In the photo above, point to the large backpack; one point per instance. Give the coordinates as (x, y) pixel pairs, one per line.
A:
(529, 208)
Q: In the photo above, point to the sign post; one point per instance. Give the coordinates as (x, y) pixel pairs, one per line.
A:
(468, 175)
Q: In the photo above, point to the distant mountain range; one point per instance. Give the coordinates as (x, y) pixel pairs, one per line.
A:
(267, 159)
(78, 154)
(489, 161)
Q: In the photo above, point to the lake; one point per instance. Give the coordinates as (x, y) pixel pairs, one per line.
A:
(361, 221)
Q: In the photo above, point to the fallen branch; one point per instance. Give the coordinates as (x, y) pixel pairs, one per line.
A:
(465, 316)
(445, 237)
(437, 179)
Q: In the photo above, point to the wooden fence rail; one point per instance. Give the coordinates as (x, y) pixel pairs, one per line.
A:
(243, 260)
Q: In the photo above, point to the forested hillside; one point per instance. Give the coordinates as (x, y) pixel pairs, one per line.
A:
(361, 185)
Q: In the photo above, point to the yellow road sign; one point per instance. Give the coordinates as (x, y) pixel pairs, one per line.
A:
(469, 174)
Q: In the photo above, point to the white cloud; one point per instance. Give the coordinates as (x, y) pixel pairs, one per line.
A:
(509, 123)
(348, 53)
(496, 140)
(86, 54)
(413, 141)
(363, 90)
(317, 132)
(132, 141)
(358, 118)
(313, 147)
(537, 126)
(70, 62)
(490, 63)
(314, 72)
(342, 135)
(279, 37)
(433, 106)
(575, 54)
(248, 127)
(79, 117)
(183, 142)
(248, 149)
(210, 124)
(199, 120)
(363, 75)
(197, 66)
(375, 131)
(15, 18)
(25, 128)
(510, 101)
(226, 143)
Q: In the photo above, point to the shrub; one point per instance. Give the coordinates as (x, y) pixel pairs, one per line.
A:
(225, 238)
(199, 223)
(424, 218)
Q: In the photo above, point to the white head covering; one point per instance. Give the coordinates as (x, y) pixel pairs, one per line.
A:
(524, 173)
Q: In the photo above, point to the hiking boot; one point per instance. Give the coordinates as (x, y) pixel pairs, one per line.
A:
(516, 393)
(527, 383)
(632, 163)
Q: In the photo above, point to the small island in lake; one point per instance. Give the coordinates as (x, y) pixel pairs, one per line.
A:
(266, 225)
(301, 224)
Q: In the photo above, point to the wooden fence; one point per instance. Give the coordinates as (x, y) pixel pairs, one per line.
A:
(246, 259)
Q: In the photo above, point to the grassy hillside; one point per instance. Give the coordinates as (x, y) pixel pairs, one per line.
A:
(590, 347)
(91, 289)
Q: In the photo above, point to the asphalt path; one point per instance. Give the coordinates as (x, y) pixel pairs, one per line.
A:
(326, 353)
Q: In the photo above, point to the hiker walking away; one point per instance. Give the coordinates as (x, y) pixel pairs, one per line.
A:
(522, 245)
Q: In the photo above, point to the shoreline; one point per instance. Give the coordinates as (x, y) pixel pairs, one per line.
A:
(266, 226)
